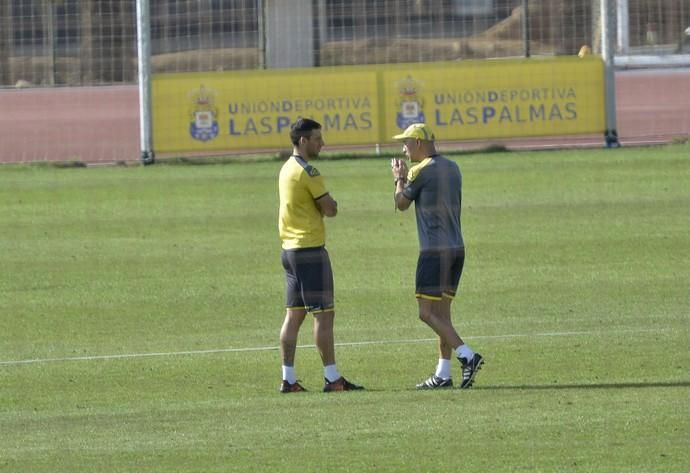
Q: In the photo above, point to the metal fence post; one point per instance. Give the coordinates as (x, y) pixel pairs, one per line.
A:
(623, 29)
(608, 44)
(144, 68)
(525, 27)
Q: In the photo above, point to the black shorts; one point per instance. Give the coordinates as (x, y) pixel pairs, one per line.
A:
(308, 279)
(438, 273)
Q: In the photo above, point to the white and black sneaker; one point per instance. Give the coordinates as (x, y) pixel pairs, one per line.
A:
(436, 382)
(470, 369)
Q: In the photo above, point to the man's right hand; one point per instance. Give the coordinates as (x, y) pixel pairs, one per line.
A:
(399, 168)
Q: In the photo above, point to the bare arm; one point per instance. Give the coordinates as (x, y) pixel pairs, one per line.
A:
(399, 169)
(401, 202)
(327, 205)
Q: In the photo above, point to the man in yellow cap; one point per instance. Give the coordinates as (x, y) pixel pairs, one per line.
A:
(434, 184)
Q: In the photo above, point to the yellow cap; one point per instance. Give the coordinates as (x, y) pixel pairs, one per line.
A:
(417, 131)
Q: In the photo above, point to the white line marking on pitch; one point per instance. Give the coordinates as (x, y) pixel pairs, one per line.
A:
(343, 344)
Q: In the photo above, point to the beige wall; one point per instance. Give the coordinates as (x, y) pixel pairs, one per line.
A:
(289, 33)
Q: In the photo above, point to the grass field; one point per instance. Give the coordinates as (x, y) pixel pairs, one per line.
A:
(140, 311)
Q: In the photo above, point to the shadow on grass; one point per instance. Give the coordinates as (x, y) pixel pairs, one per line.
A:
(521, 387)
(669, 384)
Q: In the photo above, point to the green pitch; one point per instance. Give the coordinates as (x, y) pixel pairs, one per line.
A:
(140, 311)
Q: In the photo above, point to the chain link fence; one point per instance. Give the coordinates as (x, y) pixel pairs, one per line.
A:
(55, 51)
(89, 42)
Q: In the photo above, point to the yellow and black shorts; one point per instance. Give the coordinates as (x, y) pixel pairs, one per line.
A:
(438, 273)
(308, 279)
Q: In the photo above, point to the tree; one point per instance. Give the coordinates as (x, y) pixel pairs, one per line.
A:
(107, 41)
(5, 42)
(86, 46)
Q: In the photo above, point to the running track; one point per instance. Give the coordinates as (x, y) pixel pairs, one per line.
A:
(100, 124)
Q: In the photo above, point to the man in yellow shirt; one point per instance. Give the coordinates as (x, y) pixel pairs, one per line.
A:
(304, 201)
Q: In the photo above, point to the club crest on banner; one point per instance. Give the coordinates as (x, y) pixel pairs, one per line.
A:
(410, 104)
(204, 114)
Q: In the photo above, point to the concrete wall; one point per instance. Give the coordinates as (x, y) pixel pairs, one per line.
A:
(289, 33)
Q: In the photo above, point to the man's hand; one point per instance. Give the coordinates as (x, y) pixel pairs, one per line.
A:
(327, 206)
(399, 169)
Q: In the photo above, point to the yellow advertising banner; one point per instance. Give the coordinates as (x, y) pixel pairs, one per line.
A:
(254, 110)
(498, 98)
(197, 112)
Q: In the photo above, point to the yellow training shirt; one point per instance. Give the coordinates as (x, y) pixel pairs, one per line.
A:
(300, 221)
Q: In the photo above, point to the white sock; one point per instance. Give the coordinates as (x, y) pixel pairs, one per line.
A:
(330, 372)
(463, 351)
(443, 368)
(289, 374)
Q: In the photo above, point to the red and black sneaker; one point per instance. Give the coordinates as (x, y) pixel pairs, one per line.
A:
(340, 384)
(295, 387)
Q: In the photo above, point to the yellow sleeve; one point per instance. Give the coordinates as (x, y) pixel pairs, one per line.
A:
(315, 184)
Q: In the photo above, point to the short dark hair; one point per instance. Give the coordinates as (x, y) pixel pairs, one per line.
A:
(303, 128)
